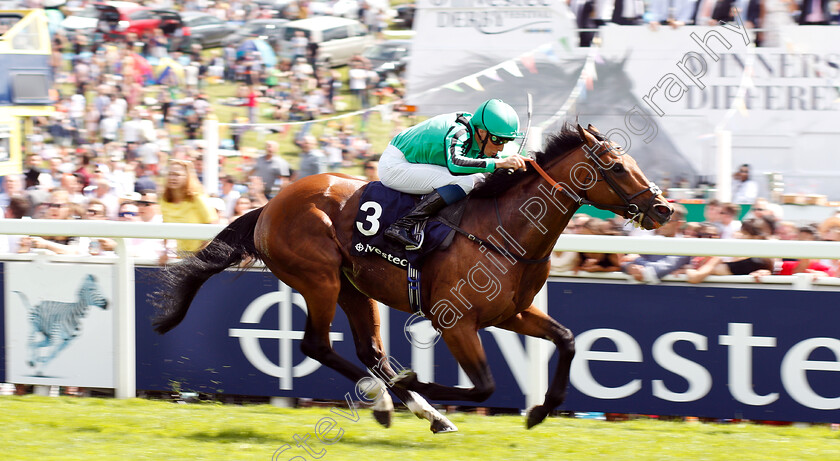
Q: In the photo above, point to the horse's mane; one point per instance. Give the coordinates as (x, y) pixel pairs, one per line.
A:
(557, 145)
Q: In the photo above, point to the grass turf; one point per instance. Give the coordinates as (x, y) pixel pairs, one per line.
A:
(67, 428)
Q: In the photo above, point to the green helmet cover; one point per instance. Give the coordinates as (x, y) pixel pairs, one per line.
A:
(497, 118)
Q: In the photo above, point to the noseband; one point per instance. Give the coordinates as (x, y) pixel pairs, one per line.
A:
(630, 208)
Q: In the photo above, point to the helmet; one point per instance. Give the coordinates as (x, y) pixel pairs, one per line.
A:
(497, 118)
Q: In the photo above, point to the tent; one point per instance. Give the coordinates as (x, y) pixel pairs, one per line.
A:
(168, 68)
(142, 68)
(269, 58)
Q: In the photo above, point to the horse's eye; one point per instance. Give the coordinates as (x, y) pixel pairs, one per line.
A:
(618, 168)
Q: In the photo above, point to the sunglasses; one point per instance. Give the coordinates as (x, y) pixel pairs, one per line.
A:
(144, 203)
(124, 214)
(499, 141)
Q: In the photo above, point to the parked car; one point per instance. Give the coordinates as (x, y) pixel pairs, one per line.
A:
(205, 29)
(81, 22)
(338, 39)
(270, 30)
(118, 19)
(344, 8)
(389, 57)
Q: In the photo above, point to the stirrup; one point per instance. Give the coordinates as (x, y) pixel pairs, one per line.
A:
(419, 235)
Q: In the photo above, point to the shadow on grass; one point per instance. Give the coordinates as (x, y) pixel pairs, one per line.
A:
(236, 435)
(391, 443)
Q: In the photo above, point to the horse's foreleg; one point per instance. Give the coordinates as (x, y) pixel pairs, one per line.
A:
(465, 346)
(534, 322)
(363, 315)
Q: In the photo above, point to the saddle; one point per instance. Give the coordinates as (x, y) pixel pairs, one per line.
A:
(380, 206)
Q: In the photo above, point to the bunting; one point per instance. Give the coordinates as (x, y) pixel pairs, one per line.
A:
(493, 74)
(472, 82)
(511, 68)
(454, 87)
(528, 61)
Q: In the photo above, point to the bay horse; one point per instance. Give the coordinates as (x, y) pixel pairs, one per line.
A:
(303, 235)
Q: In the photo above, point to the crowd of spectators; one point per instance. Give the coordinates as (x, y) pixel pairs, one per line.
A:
(764, 221)
(769, 16)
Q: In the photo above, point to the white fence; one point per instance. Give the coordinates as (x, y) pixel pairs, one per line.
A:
(124, 355)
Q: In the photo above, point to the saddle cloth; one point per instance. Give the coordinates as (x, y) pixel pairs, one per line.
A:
(379, 207)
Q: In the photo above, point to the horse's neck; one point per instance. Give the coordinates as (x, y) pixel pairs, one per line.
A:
(537, 212)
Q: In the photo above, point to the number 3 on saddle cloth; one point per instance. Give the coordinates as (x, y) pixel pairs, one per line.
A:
(379, 207)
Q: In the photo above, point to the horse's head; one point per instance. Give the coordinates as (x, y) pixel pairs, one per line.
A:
(614, 182)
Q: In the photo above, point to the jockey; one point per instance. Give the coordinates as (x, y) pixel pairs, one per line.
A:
(445, 157)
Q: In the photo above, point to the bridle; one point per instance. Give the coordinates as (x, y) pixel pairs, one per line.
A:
(629, 208)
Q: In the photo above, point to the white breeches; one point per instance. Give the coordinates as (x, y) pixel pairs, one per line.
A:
(420, 178)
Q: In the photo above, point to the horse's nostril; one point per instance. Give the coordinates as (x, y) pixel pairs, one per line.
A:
(663, 210)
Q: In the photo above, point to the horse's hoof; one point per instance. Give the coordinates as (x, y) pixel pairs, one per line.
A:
(31, 363)
(404, 379)
(440, 426)
(383, 417)
(536, 415)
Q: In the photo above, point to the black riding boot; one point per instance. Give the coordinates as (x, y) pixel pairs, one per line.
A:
(401, 230)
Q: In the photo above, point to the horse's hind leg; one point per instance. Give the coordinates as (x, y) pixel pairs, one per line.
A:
(363, 315)
(320, 303)
(534, 322)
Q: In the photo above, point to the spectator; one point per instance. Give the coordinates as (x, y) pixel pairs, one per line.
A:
(744, 189)
(371, 167)
(59, 208)
(184, 201)
(675, 13)
(34, 175)
(814, 13)
(651, 268)
(230, 195)
(628, 12)
(597, 262)
(729, 223)
(714, 265)
(312, 159)
(103, 191)
(357, 81)
(243, 205)
(299, 45)
(271, 169)
(145, 180)
(775, 16)
(139, 247)
(812, 266)
(18, 208)
(148, 207)
(96, 211)
(12, 185)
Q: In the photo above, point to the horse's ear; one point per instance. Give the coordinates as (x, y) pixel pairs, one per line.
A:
(586, 136)
(591, 128)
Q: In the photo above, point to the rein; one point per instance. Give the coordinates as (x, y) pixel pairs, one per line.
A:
(481, 242)
(630, 208)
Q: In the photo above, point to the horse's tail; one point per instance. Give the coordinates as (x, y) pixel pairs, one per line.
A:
(181, 281)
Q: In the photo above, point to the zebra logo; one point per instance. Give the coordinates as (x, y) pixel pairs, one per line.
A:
(56, 323)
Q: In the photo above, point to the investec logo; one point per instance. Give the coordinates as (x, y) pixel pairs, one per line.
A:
(368, 248)
(249, 338)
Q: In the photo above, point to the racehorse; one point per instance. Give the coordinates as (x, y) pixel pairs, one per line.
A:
(303, 235)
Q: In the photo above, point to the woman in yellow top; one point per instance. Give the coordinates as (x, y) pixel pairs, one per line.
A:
(184, 201)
